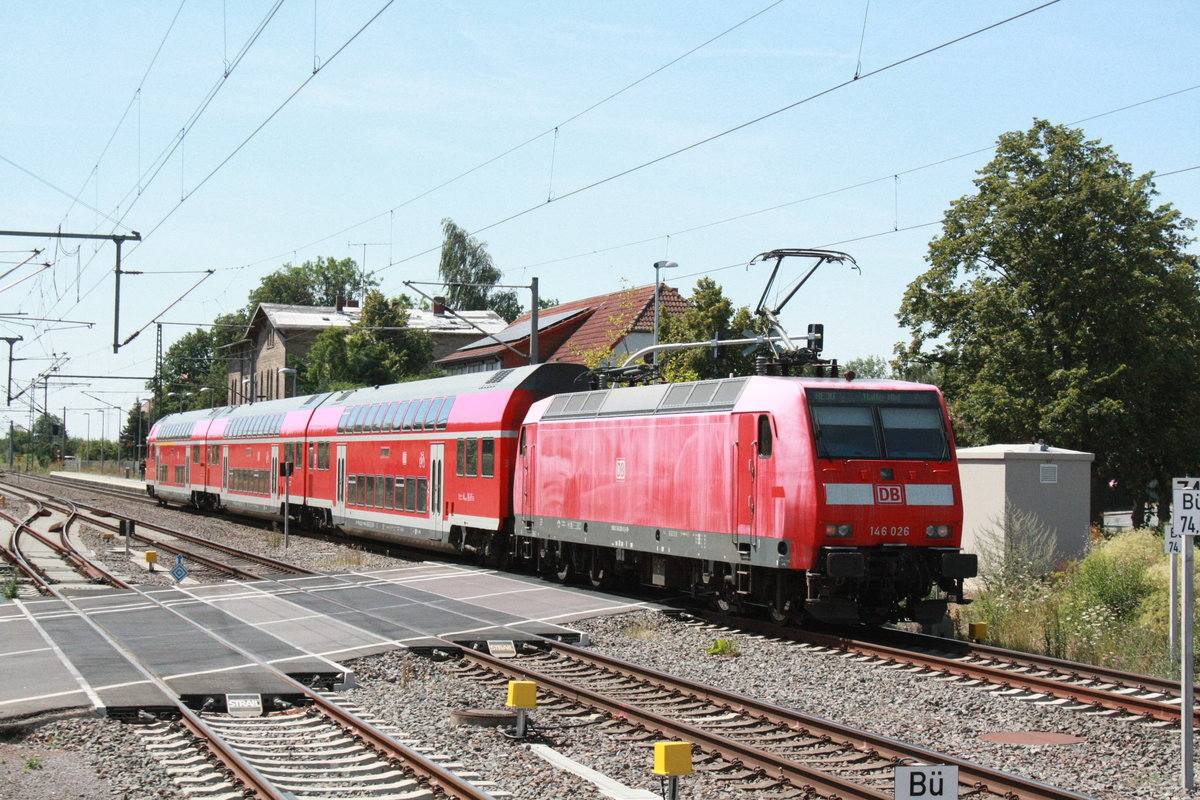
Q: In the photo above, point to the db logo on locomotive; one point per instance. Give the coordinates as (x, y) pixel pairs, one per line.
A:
(889, 493)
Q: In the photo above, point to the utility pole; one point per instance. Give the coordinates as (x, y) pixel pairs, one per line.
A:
(117, 239)
(362, 268)
(11, 341)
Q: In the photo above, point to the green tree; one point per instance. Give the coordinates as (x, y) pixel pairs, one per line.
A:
(313, 283)
(869, 367)
(379, 348)
(709, 313)
(465, 260)
(1060, 305)
(133, 435)
(47, 438)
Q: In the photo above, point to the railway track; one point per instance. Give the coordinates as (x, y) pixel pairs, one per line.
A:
(48, 558)
(328, 749)
(216, 557)
(1033, 678)
(138, 495)
(778, 751)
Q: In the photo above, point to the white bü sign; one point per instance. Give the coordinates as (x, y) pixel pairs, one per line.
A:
(927, 783)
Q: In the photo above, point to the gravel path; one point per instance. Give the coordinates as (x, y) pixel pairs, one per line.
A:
(1117, 759)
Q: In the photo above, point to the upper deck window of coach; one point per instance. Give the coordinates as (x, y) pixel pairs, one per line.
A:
(413, 405)
(389, 421)
(419, 419)
(377, 417)
(398, 417)
(432, 414)
(444, 414)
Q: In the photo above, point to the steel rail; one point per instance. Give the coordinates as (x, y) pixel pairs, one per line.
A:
(992, 675)
(974, 776)
(88, 569)
(403, 757)
(1075, 669)
(739, 753)
(12, 553)
(96, 516)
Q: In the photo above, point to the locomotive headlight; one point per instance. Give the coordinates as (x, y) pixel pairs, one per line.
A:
(938, 531)
(839, 531)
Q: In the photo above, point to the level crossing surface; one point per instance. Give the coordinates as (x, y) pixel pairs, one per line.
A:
(97, 651)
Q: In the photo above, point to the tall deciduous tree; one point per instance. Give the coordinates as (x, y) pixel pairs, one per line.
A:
(1060, 304)
(465, 260)
(313, 283)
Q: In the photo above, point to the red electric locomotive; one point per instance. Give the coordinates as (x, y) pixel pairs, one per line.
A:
(833, 499)
(821, 496)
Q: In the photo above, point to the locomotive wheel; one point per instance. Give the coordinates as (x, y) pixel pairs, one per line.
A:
(598, 577)
(564, 570)
(727, 601)
(780, 615)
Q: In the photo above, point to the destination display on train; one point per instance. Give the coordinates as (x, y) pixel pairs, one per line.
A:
(858, 397)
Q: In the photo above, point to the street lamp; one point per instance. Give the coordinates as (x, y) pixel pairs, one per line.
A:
(658, 265)
(285, 372)
(207, 390)
(183, 396)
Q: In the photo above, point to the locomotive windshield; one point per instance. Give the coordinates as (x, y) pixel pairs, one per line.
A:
(854, 423)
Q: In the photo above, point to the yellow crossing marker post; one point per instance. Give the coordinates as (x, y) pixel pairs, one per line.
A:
(672, 759)
(522, 695)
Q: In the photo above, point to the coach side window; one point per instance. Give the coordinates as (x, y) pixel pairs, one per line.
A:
(470, 468)
(487, 457)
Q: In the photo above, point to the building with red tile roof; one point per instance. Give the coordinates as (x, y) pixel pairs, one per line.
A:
(605, 329)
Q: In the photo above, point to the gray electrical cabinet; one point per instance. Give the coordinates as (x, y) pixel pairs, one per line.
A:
(1029, 484)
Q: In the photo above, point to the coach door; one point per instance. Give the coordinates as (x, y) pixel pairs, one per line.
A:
(225, 468)
(275, 471)
(339, 494)
(437, 517)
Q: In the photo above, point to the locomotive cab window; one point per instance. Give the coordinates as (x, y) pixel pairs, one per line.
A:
(913, 433)
(879, 424)
(846, 432)
(765, 441)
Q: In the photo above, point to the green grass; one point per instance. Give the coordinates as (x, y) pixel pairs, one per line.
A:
(1110, 608)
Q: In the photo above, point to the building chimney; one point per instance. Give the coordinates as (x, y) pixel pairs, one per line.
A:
(339, 303)
(439, 305)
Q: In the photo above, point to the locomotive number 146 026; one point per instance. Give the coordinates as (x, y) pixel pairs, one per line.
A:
(885, 530)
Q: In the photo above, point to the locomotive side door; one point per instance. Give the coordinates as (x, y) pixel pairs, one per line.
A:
(436, 509)
(525, 454)
(745, 469)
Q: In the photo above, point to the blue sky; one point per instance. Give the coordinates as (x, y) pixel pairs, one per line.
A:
(101, 136)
